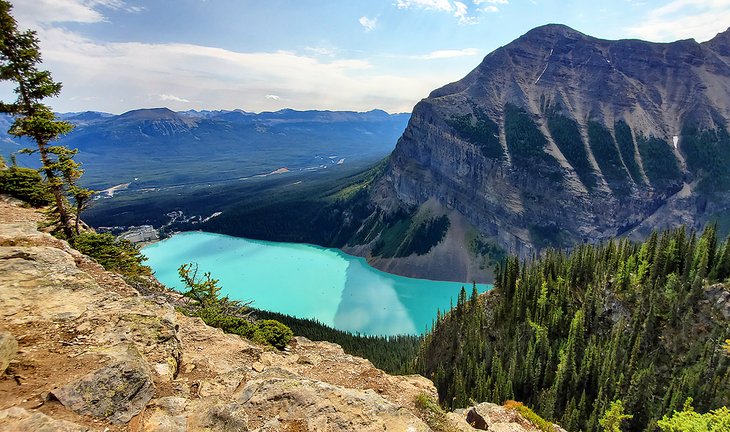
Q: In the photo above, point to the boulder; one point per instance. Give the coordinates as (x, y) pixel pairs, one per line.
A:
(116, 392)
(8, 349)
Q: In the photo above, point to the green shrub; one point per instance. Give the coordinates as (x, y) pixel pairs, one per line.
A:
(273, 333)
(119, 256)
(25, 184)
(231, 316)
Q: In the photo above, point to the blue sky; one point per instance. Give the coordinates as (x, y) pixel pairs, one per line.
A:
(264, 55)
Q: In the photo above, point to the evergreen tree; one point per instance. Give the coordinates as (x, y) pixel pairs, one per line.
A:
(569, 333)
(19, 60)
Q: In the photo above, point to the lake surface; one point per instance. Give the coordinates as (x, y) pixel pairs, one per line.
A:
(308, 281)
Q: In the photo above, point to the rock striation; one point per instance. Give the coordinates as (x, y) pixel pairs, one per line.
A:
(560, 138)
(89, 353)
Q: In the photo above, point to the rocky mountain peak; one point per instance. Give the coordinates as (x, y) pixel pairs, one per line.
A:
(559, 138)
(720, 43)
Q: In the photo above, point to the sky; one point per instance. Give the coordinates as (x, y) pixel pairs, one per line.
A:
(266, 55)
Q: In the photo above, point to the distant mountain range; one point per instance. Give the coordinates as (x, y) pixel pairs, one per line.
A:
(159, 147)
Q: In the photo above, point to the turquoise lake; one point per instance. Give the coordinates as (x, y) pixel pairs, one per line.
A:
(308, 281)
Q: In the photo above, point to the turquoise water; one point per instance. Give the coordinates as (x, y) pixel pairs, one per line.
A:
(307, 281)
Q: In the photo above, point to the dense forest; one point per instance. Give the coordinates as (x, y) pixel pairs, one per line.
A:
(570, 333)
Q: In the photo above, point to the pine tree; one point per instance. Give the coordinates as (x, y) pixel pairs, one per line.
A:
(19, 60)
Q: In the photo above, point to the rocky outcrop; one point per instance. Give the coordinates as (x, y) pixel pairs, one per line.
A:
(719, 296)
(492, 417)
(559, 138)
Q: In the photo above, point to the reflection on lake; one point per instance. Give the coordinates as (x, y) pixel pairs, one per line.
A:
(307, 281)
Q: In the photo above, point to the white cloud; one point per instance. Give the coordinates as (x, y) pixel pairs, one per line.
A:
(461, 11)
(456, 8)
(172, 98)
(443, 54)
(681, 19)
(142, 74)
(368, 23)
(440, 5)
(489, 8)
(321, 51)
(493, 2)
(272, 97)
(36, 12)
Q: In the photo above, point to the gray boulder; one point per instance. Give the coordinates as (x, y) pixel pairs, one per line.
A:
(116, 392)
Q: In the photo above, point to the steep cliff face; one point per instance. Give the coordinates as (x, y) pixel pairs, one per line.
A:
(560, 138)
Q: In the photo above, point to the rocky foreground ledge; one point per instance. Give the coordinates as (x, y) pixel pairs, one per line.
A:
(80, 350)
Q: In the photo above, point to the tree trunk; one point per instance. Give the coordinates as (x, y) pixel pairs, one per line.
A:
(57, 192)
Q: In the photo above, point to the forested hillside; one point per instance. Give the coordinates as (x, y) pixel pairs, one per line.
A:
(568, 334)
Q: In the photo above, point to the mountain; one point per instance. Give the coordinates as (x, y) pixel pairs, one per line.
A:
(559, 138)
(153, 148)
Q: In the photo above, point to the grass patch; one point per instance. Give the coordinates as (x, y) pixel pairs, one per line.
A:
(530, 415)
(432, 413)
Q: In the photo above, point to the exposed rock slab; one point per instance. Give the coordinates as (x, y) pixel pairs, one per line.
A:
(8, 350)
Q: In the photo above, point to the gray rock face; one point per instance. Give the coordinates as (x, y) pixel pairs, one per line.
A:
(8, 349)
(720, 298)
(116, 392)
(559, 138)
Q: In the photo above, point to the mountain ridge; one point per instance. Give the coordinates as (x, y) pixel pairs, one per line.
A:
(559, 138)
(159, 147)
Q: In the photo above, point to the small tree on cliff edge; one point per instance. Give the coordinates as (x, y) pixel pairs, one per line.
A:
(19, 57)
